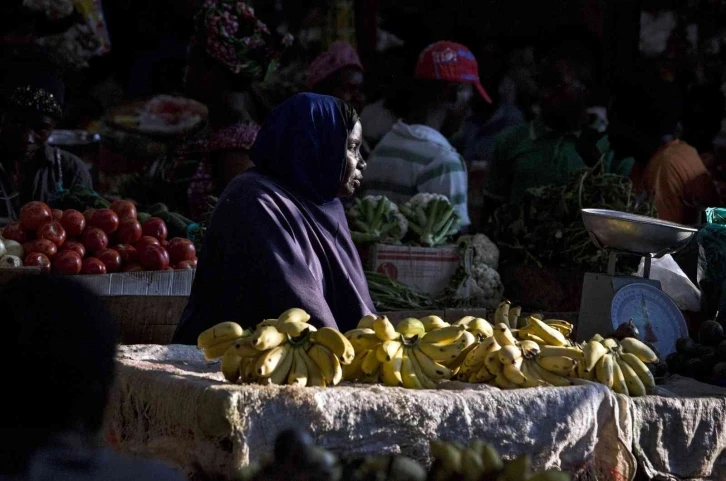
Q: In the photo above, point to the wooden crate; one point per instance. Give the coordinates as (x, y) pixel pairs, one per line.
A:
(146, 319)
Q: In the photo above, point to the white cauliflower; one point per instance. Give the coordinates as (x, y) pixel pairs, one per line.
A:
(485, 251)
(486, 289)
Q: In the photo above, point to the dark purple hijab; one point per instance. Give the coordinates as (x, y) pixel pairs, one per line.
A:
(279, 237)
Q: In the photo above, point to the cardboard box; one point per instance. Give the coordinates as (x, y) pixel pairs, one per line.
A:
(425, 269)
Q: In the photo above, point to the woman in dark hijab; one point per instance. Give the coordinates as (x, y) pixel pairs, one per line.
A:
(278, 237)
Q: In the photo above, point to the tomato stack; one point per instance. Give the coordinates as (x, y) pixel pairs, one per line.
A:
(97, 241)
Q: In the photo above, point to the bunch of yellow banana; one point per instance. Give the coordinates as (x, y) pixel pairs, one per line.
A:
(619, 365)
(405, 355)
(480, 461)
(286, 350)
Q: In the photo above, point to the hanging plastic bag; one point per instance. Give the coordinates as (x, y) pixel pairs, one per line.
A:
(712, 263)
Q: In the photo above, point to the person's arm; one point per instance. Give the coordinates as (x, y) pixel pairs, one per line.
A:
(447, 175)
(75, 172)
(263, 268)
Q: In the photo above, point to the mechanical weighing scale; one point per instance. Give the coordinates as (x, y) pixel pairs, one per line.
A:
(608, 299)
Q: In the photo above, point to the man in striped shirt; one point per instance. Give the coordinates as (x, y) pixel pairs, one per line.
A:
(415, 156)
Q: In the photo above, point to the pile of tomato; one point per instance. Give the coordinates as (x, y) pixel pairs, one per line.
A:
(97, 241)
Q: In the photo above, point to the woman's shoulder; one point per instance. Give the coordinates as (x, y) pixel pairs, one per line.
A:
(251, 191)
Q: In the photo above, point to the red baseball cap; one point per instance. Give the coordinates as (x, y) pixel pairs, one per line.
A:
(451, 62)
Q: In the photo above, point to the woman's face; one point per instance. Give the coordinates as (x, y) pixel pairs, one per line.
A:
(354, 163)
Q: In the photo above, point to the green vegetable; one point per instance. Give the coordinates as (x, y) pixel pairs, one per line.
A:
(432, 218)
(157, 208)
(143, 216)
(376, 219)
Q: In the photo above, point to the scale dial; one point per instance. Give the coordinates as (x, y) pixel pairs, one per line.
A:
(653, 312)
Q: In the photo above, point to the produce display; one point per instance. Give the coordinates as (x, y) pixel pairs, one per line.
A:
(704, 360)
(296, 457)
(375, 219)
(286, 350)
(97, 241)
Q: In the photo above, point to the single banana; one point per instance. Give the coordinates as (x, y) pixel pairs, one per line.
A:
(472, 466)
(490, 458)
(391, 370)
(513, 373)
(551, 336)
(513, 316)
(298, 375)
(367, 321)
(315, 376)
(468, 341)
(336, 342)
(296, 329)
(244, 348)
(638, 349)
(408, 374)
(509, 354)
(362, 339)
(444, 336)
(430, 368)
(528, 336)
(635, 386)
(619, 384)
(215, 351)
(531, 348)
(282, 371)
(269, 360)
(370, 363)
(582, 373)
(446, 353)
(504, 335)
(475, 358)
(549, 377)
(224, 331)
(533, 379)
(464, 321)
(267, 337)
(518, 468)
(597, 338)
(564, 327)
(433, 322)
(592, 352)
(481, 327)
(501, 315)
(328, 363)
(604, 370)
(385, 330)
(411, 327)
(560, 365)
(610, 344)
(426, 382)
(387, 350)
(481, 375)
(293, 315)
(267, 322)
(550, 475)
(493, 364)
(447, 455)
(502, 382)
(352, 372)
(646, 377)
(231, 365)
(247, 369)
(571, 352)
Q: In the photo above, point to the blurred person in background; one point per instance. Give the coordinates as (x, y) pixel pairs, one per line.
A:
(548, 149)
(415, 156)
(61, 340)
(230, 51)
(704, 110)
(30, 169)
(669, 172)
(338, 73)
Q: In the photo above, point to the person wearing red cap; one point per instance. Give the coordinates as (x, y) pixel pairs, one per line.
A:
(338, 73)
(415, 156)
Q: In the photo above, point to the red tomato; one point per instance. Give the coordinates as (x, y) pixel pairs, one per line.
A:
(128, 253)
(194, 262)
(87, 214)
(111, 258)
(168, 268)
(133, 268)
(73, 222)
(93, 266)
(54, 232)
(57, 214)
(153, 258)
(73, 246)
(181, 250)
(155, 227)
(106, 220)
(67, 262)
(124, 208)
(129, 231)
(37, 259)
(145, 241)
(15, 232)
(35, 214)
(183, 265)
(94, 239)
(44, 246)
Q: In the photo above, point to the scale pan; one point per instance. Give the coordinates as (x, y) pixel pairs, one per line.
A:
(638, 234)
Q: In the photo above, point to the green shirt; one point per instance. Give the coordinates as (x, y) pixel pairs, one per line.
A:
(533, 155)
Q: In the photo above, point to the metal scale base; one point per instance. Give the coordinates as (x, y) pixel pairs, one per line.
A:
(598, 291)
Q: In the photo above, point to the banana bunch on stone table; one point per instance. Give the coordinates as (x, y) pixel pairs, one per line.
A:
(479, 461)
(286, 350)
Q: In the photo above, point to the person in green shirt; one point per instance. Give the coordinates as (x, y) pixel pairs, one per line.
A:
(548, 149)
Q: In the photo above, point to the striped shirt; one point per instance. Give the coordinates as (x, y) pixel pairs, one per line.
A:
(411, 159)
